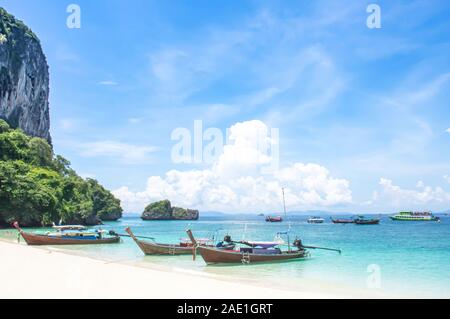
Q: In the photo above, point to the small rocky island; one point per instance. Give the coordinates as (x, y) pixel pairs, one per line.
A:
(163, 210)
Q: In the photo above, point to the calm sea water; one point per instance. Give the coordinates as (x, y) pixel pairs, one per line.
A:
(409, 258)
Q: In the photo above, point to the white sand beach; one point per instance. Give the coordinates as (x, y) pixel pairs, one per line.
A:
(35, 272)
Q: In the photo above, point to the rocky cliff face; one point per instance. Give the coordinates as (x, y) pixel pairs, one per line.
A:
(24, 78)
(163, 210)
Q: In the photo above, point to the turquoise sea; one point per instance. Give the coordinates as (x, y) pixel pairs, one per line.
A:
(410, 259)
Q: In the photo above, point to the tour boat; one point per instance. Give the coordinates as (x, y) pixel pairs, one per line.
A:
(68, 235)
(415, 216)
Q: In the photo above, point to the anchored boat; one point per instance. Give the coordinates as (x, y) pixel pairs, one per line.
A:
(361, 220)
(254, 252)
(315, 220)
(68, 235)
(342, 221)
(185, 247)
(276, 219)
(415, 216)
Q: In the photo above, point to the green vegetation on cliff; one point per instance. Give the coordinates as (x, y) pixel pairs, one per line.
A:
(163, 210)
(38, 188)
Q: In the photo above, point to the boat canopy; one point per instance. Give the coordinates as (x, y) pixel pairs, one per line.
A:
(199, 240)
(70, 227)
(264, 244)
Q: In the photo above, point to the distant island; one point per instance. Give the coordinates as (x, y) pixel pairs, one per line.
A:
(163, 210)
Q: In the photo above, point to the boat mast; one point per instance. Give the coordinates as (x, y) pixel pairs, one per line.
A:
(285, 215)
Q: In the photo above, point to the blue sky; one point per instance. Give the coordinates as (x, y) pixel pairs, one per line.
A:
(362, 113)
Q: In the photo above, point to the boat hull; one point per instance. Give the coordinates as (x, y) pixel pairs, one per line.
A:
(337, 221)
(215, 256)
(406, 219)
(39, 240)
(150, 248)
(368, 222)
(274, 219)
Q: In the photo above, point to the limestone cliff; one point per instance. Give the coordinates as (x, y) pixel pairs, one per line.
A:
(163, 210)
(24, 78)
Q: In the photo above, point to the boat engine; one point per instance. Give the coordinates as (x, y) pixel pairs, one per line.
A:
(113, 233)
(226, 244)
(298, 243)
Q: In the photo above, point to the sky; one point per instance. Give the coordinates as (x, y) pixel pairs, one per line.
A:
(303, 95)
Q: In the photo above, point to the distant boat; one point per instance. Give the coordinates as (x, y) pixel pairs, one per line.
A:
(68, 235)
(415, 216)
(361, 220)
(316, 220)
(343, 221)
(276, 219)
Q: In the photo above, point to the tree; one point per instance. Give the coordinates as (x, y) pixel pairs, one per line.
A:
(4, 127)
(40, 152)
(38, 188)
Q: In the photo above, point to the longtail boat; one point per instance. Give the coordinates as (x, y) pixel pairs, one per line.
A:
(276, 219)
(255, 252)
(185, 247)
(67, 235)
(342, 221)
(361, 220)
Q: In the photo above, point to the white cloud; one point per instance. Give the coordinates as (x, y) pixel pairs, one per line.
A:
(447, 178)
(127, 153)
(448, 130)
(236, 182)
(424, 197)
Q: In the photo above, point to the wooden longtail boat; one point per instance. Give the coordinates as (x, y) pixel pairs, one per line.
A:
(343, 221)
(212, 255)
(76, 236)
(154, 248)
(276, 219)
(361, 220)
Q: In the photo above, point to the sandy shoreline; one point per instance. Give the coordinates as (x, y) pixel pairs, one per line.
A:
(34, 272)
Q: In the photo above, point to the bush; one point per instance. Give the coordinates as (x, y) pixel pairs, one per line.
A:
(160, 207)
